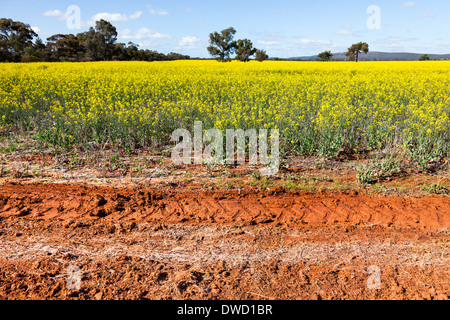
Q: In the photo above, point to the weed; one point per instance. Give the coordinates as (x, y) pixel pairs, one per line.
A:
(437, 188)
(377, 171)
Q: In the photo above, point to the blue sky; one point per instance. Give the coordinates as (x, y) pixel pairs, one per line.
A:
(284, 28)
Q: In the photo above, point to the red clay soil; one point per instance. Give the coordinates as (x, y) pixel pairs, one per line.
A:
(127, 243)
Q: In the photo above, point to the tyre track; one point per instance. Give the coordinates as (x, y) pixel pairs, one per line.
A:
(65, 202)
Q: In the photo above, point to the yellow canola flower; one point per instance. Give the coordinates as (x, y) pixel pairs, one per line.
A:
(134, 99)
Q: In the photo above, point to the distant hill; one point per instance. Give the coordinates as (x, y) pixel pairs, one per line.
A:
(382, 56)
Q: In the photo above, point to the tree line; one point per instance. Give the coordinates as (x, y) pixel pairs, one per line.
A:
(222, 46)
(19, 43)
(352, 54)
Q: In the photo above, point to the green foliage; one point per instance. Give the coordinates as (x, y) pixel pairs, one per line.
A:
(356, 49)
(325, 56)
(437, 188)
(378, 171)
(222, 44)
(15, 36)
(128, 106)
(426, 153)
(244, 50)
(97, 44)
(261, 55)
(30, 58)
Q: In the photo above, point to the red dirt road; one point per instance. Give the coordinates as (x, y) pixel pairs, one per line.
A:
(125, 243)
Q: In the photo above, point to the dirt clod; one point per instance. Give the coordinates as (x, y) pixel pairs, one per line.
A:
(203, 244)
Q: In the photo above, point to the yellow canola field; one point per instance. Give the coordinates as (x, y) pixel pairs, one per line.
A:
(319, 108)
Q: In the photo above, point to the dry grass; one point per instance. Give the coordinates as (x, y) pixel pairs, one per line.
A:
(203, 245)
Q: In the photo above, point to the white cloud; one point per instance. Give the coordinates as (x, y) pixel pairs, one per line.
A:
(53, 13)
(116, 16)
(143, 33)
(409, 4)
(188, 41)
(125, 34)
(36, 29)
(56, 13)
(136, 15)
(159, 12)
(110, 16)
(313, 45)
(396, 43)
(393, 46)
(344, 32)
(148, 44)
(191, 43)
(268, 43)
(397, 39)
(427, 15)
(309, 42)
